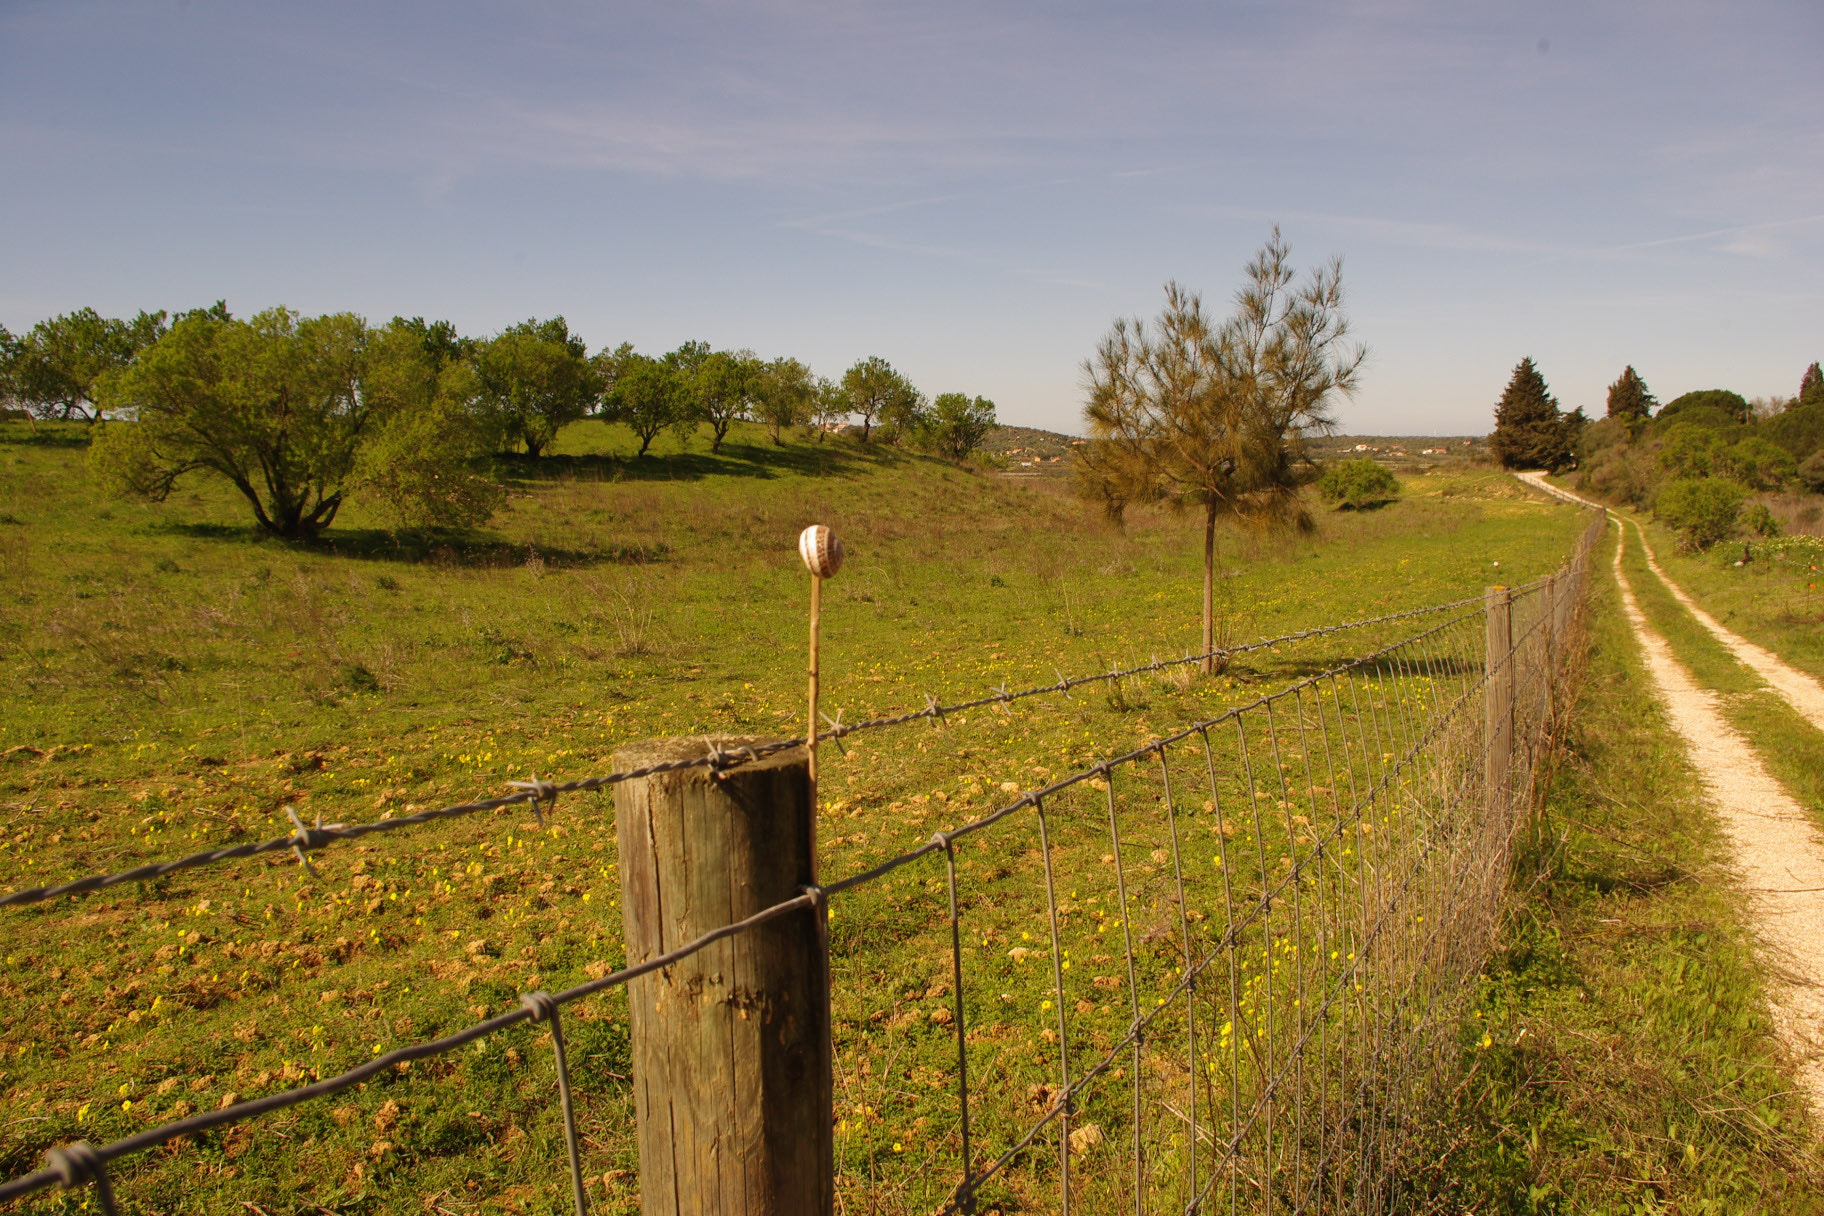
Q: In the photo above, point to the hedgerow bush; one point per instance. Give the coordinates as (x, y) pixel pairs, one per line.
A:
(1702, 510)
(1353, 484)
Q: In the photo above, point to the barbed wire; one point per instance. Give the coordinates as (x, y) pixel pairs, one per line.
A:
(540, 794)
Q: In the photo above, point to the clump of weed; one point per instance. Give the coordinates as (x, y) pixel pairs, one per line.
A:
(357, 678)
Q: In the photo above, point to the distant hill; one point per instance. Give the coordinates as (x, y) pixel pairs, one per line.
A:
(1029, 450)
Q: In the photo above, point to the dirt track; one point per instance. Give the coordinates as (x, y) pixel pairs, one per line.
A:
(1779, 855)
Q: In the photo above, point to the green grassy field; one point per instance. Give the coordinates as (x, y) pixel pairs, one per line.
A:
(173, 682)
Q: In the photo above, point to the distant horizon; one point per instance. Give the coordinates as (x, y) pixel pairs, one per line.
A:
(974, 193)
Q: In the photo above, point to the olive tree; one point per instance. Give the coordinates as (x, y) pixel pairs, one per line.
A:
(785, 396)
(651, 396)
(726, 386)
(534, 378)
(298, 414)
(878, 393)
(56, 366)
(957, 424)
(1195, 415)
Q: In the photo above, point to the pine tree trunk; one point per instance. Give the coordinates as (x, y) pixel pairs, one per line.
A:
(1209, 588)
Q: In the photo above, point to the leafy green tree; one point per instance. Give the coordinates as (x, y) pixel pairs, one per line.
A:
(296, 413)
(830, 407)
(726, 388)
(1733, 404)
(1354, 484)
(1758, 464)
(1629, 398)
(785, 395)
(1811, 386)
(1530, 430)
(608, 365)
(1215, 419)
(1702, 510)
(415, 464)
(651, 396)
(535, 378)
(1811, 472)
(58, 363)
(957, 425)
(1691, 451)
(10, 399)
(875, 391)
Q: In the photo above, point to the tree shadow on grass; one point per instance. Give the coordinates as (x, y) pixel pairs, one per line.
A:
(20, 433)
(465, 550)
(756, 460)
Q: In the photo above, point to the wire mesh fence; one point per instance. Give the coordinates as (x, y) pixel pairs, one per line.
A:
(1226, 971)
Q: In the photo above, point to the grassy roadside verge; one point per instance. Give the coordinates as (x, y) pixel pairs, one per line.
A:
(1778, 604)
(1630, 1065)
(1792, 748)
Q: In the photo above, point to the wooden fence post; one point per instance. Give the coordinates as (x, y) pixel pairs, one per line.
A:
(1498, 699)
(731, 1046)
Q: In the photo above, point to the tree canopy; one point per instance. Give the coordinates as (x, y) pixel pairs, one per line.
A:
(1531, 432)
(785, 394)
(725, 386)
(651, 396)
(1629, 398)
(533, 379)
(298, 414)
(1193, 415)
(876, 392)
(54, 368)
(957, 424)
(1734, 404)
(1811, 386)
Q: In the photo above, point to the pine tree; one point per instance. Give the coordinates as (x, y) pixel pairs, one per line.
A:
(1629, 398)
(1811, 385)
(1530, 431)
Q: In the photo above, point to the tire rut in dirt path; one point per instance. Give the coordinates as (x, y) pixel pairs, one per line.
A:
(1778, 852)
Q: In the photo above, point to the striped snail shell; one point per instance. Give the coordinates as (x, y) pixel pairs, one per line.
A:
(821, 550)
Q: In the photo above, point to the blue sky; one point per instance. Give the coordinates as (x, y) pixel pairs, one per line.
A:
(972, 190)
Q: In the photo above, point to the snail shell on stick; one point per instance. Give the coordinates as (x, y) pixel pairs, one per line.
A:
(821, 550)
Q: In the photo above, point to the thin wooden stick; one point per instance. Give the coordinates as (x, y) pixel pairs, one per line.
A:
(822, 554)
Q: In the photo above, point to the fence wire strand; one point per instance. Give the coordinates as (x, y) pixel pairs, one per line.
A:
(542, 795)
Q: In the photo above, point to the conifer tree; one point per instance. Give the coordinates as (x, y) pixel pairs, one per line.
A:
(1530, 431)
(1811, 385)
(1629, 398)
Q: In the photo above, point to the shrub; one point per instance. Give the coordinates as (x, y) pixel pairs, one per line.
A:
(1622, 473)
(1690, 451)
(1702, 510)
(1357, 483)
(1760, 521)
(1812, 471)
(1758, 464)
